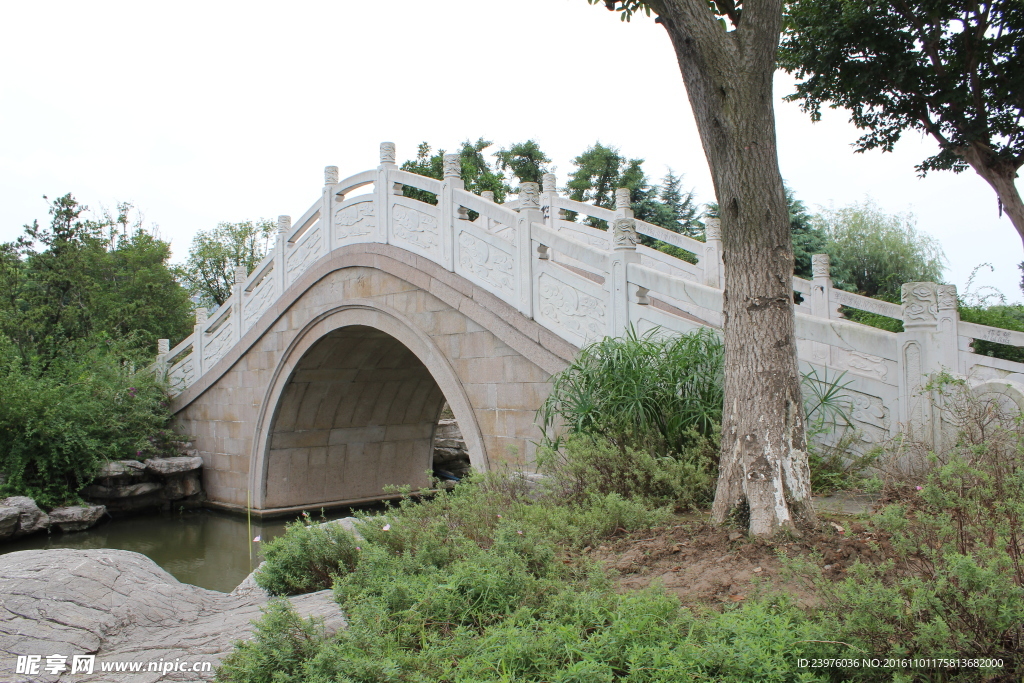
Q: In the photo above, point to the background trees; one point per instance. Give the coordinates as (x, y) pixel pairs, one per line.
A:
(209, 272)
(951, 70)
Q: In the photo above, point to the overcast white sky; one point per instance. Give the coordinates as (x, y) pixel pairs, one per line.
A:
(199, 112)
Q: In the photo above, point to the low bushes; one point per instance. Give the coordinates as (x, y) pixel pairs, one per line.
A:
(60, 422)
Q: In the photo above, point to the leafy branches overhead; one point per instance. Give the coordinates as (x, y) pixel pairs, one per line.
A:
(209, 273)
(948, 69)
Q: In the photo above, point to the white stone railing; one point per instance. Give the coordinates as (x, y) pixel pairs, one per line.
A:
(583, 283)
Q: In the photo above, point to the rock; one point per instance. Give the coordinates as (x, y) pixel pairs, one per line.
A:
(249, 587)
(169, 466)
(349, 523)
(182, 487)
(735, 536)
(122, 607)
(129, 491)
(8, 521)
(30, 518)
(76, 517)
(121, 469)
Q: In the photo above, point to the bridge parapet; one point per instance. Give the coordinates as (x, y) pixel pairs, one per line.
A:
(583, 283)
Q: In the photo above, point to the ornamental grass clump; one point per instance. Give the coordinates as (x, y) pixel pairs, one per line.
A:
(649, 392)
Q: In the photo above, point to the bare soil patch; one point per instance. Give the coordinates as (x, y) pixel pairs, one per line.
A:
(704, 564)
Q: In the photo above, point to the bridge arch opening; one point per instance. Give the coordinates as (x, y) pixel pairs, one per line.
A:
(357, 412)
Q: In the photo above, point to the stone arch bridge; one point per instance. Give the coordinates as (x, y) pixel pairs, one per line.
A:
(320, 381)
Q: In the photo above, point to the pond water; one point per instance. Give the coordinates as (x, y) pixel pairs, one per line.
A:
(206, 548)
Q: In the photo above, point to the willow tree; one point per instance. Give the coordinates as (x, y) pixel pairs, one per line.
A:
(726, 53)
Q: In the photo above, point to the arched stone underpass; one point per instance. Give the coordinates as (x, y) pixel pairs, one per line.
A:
(361, 351)
(358, 414)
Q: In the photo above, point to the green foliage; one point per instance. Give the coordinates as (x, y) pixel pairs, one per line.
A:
(653, 392)
(80, 278)
(942, 68)
(874, 253)
(523, 160)
(586, 466)
(956, 588)
(209, 272)
(477, 584)
(808, 239)
(60, 422)
(1003, 317)
(307, 557)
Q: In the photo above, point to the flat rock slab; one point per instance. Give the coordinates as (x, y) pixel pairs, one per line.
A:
(846, 503)
(121, 607)
(168, 466)
(76, 517)
(30, 518)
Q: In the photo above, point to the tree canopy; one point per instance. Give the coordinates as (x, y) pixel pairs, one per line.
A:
(952, 70)
(209, 272)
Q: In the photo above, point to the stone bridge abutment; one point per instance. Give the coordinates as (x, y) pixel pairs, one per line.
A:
(335, 392)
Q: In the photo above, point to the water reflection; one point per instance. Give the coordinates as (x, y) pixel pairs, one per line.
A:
(203, 547)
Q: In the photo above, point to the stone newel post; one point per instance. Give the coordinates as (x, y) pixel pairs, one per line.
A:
(163, 347)
(239, 294)
(623, 252)
(384, 190)
(711, 260)
(552, 214)
(327, 209)
(529, 213)
(926, 346)
(198, 338)
(821, 291)
(284, 226)
(451, 210)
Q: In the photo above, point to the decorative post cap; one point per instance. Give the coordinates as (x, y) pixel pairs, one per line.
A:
(200, 316)
(488, 195)
(624, 233)
(713, 229)
(947, 297)
(240, 274)
(387, 152)
(920, 304)
(548, 180)
(529, 196)
(820, 266)
(284, 223)
(452, 166)
(330, 175)
(622, 198)
(163, 346)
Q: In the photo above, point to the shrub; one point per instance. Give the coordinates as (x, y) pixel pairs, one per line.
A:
(60, 421)
(586, 466)
(650, 392)
(306, 558)
(956, 585)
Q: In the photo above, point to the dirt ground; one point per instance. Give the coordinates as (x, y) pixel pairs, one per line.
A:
(703, 564)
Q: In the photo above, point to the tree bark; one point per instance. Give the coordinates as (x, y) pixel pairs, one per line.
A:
(728, 75)
(1000, 174)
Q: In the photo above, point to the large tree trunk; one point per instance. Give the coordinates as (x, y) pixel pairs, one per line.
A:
(1000, 174)
(728, 76)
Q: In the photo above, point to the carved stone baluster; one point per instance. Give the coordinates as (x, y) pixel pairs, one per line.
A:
(163, 347)
(549, 201)
(821, 291)
(198, 335)
(284, 226)
(529, 213)
(451, 212)
(920, 358)
(711, 259)
(327, 206)
(385, 190)
(236, 313)
(623, 252)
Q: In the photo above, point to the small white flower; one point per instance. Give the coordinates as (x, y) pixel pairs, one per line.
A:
(256, 540)
(386, 527)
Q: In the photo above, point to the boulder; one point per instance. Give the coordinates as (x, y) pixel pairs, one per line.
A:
(76, 517)
(169, 466)
(182, 487)
(121, 469)
(8, 521)
(30, 518)
(122, 607)
(123, 491)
